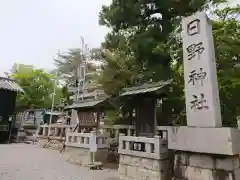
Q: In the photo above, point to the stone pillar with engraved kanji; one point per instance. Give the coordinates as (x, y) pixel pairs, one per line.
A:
(203, 149)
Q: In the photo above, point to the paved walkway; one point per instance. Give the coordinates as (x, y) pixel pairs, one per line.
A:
(28, 162)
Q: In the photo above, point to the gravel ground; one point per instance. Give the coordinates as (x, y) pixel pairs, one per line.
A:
(29, 162)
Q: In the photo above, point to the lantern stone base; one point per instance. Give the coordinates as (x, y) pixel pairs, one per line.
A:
(223, 141)
(195, 166)
(83, 156)
(205, 153)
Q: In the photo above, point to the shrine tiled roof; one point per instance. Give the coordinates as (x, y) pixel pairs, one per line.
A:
(87, 104)
(53, 113)
(10, 85)
(145, 88)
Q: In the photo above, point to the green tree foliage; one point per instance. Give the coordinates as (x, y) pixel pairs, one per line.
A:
(118, 72)
(145, 45)
(226, 30)
(144, 31)
(149, 27)
(38, 88)
(138, 47)
(67, 64)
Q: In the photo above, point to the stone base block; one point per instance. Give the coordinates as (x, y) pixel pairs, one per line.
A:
(82, 156)
(132, 167)
(204, 140)
(193, 166)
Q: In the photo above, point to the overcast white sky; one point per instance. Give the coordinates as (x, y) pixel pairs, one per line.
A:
(32, 31)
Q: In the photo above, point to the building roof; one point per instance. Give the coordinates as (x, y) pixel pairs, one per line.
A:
(10, 85)
(88, 104)
(53, 113)
(145, 88)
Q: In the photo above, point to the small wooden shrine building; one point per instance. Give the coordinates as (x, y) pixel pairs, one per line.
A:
(140, 106)
(89, 112)
(8, 93)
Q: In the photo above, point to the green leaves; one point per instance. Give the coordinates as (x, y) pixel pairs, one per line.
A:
(118, 72)
(67, 64)
(38, 88)
(145, 45)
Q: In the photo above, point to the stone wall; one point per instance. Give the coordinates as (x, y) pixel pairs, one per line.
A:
(195, 166)
(51, 144)
(83, 156)
(132, 167)
(76, 155)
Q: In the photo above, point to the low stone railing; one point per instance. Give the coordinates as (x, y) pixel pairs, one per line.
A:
(53, 136)
(57, 131)
(128, 130)
(83, 140)
(162, 131)
(153, 148)
(85, 148)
